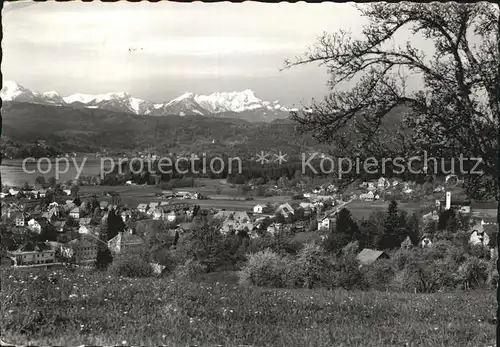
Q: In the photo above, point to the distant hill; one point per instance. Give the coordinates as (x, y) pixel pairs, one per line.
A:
(89, 130)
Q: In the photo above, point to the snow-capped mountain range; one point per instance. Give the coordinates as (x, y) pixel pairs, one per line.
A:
(242, 105)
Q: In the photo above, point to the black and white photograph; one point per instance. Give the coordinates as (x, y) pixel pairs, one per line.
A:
(250, 174)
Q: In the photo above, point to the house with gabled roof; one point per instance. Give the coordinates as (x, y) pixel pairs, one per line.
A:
(126, 215)
(223, 215)
(235, 225)
(19, 219)
(75, 213)
(325, 222)
(260, 208)
(84, 250)
(34, 225)
(126, 243)
(142, 208)
(85, 220)
(241, 216)
(33, 253)
(103, 204)
(368, 256)
(59, 225)
(285, 210)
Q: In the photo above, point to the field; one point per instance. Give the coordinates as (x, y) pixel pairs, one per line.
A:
(63, 308)
(362, 209)
(229, 198)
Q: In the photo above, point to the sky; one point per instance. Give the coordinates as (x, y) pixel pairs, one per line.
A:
(176, 47)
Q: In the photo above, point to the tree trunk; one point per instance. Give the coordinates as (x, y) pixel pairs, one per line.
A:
(497, 117)
(498, 250)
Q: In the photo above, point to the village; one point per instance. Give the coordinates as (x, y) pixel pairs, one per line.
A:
(71, 226)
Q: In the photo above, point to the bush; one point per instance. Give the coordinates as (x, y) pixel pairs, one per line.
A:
(380, 274)
(310, 268)
(131, 267)
(428, 276)
(492, 280)
(189, 270)
(474, 272)
(402, 257)
(265, 268)
(348, 274)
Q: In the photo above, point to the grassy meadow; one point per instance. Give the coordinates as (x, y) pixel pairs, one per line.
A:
(229, 197)
(60, 307)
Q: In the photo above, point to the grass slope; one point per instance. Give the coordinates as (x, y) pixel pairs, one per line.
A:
(93, 308)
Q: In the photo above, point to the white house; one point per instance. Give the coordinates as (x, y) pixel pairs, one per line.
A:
(34, 226)
(425, 242)
(306, 205)
(142, 208)
(325, 222)
(13, 192)
(19, 219)
(383, 183)
(171, 216)
(259, 208)
(479, 236)
(83, 230)
(75, 213)
(67, 191)
(128, 183)
(285, 210)
(438, 189)
(126, 215)
(407, 190)
(157, 213)
(367, 196)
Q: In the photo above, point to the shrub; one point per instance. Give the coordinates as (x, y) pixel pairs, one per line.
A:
(380, 274)
(492, 280)
(189, 270)
(348, 274)
(310, 267)
(279, 244)
(474, 272)
(479, 251)
(402, 257)
(131, 267)
(265, 268)
(428, 276)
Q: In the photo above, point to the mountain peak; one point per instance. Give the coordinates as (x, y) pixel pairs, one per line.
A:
(79, 97)
(236, 104)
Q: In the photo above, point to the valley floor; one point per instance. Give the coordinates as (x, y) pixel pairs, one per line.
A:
(58, 307)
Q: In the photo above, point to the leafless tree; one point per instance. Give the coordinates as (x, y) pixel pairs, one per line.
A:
(455, 110)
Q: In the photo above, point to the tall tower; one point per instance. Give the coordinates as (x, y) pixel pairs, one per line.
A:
(448, 200)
